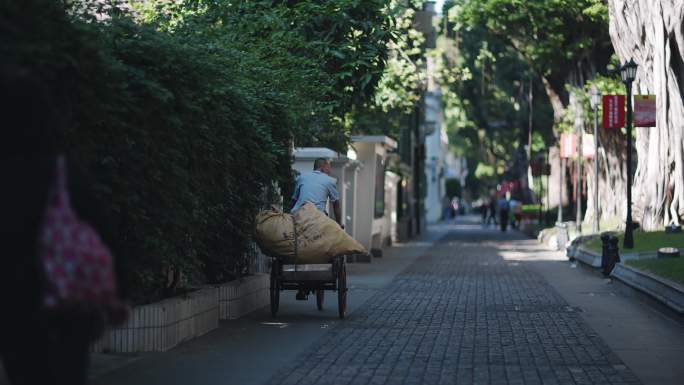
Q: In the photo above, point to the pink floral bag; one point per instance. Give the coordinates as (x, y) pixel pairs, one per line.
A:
(78, 266)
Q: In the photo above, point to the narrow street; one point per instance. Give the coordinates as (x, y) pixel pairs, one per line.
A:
(158, 151)
(464, 305)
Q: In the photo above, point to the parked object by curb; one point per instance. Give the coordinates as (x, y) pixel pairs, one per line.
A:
(668, 252)
(160, 326)
(664, 290)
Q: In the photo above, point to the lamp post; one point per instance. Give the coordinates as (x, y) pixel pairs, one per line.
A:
(547, 172)
(628, 73)
(578, 179)
(560, 187)
(595, 100)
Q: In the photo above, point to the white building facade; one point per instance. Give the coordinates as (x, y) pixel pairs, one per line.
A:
(436, 149)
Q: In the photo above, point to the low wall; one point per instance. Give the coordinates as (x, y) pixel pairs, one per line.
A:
(585, 256)
(664, 290)
(593, 258)
(243, 296)
(160, 326)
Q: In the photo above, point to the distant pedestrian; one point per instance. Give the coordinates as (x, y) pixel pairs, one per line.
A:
(447, 212)
(503, 207)
(515, 210)
(492, 210)
(455, 207)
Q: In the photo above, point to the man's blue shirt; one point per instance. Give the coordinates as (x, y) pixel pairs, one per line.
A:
(315, 187)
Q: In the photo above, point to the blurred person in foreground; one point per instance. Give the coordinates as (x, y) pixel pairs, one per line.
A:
(40, 345)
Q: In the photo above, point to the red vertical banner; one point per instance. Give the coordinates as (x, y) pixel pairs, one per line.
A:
(613, 111)
(568, 145)
(644, 110)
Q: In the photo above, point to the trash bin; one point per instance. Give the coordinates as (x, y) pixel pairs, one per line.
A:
(610, 253)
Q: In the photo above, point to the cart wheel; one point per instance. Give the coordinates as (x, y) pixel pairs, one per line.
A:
(275, 287)
(342, 289)
(320, 295)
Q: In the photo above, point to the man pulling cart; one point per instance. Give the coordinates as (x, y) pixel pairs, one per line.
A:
(307, 247)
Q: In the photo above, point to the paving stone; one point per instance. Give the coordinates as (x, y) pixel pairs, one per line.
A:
(461, 315)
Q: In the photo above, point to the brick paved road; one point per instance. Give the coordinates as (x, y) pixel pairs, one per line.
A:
(461, 314)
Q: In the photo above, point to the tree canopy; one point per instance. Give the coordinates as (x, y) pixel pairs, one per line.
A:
(509, 50)
(174, 110)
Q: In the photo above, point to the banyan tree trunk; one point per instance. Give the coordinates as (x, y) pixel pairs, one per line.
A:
(651, 32)
(612, 194)
(612, 190)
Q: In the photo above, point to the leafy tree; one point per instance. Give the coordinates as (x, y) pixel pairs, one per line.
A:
(176, 109)
(486, 85)
(402, 82)
(565, 44)
(564, 41)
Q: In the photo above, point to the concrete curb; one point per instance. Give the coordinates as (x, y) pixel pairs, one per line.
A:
(664, 290)
(585, 256)
(160, 326)
(593, 259)
(642, 255)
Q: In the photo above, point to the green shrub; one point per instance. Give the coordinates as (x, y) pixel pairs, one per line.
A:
(532, 209)
(184, 128)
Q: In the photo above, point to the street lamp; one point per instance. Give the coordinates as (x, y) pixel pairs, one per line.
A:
(595, 100)
(628, 73)
(578, 179)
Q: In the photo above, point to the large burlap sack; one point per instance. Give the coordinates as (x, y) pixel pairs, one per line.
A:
(275, 233)
(319, 238)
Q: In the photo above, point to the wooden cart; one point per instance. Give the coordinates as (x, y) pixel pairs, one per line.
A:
(309, 278)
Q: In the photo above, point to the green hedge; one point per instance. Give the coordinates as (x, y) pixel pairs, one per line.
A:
(180, 132)
(532, 209)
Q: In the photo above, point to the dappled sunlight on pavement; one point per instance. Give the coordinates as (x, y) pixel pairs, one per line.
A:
(468, 311)
(465, 304)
